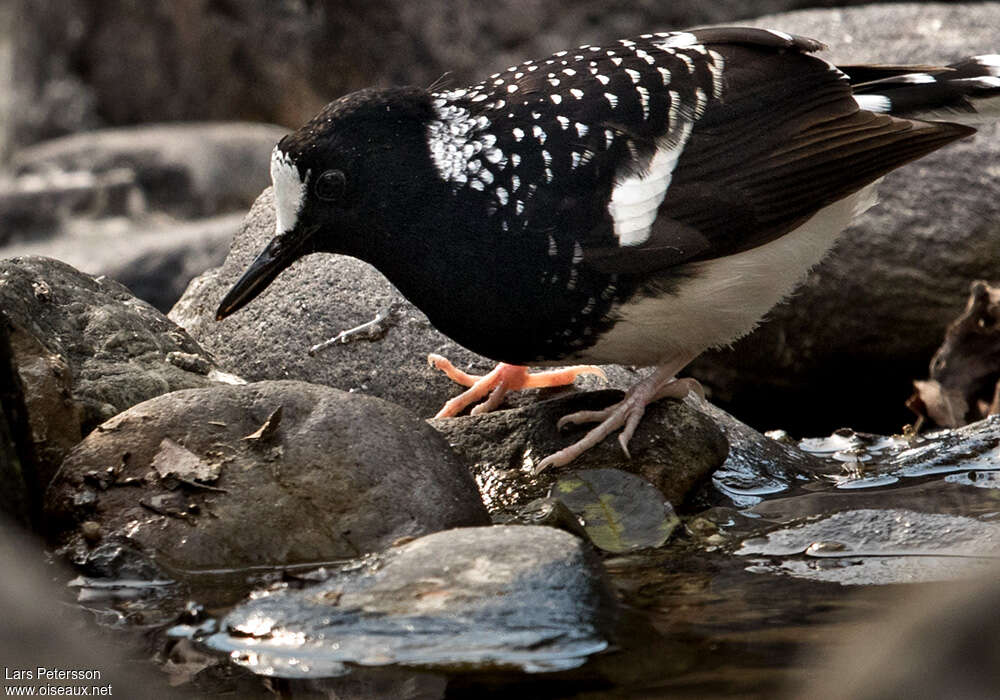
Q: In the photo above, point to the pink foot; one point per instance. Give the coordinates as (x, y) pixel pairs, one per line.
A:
(624, 415)
(502, 379)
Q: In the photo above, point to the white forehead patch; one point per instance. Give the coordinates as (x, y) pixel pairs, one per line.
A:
(289, 190)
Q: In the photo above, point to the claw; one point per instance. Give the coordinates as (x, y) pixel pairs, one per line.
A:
(624, 415)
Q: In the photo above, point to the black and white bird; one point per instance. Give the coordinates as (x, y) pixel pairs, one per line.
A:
(634, 203)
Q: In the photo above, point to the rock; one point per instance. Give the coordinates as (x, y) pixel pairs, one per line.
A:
(85, 349)
(34, 207)
(620, 512)
(267, 474)
(877, 547)
(525, 597)
(674, 447)
(756, 465)
(312, 301)
(869, 317)
(155, 259)
(964, 382)
(18, 502)
(185, 170)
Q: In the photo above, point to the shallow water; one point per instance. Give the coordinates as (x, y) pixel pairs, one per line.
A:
(748, 597)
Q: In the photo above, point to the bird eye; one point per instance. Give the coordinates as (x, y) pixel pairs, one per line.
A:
(330, 185)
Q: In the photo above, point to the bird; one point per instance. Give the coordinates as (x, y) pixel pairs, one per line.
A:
(634, 203)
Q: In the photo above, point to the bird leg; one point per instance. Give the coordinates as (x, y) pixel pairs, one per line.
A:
(502, 379)
(624, 415)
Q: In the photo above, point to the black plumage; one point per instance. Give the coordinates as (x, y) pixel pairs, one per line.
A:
(621, 203)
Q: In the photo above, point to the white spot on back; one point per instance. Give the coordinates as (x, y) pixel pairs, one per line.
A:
(644, 99)
(676, 40)
(612, 99)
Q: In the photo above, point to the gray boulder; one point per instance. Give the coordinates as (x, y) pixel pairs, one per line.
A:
(267, 474)
(82, 349)
(868, 319)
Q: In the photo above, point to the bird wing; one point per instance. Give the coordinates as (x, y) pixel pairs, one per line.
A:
(684, 146)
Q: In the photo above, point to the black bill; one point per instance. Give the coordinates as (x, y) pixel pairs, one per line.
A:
(280, 253)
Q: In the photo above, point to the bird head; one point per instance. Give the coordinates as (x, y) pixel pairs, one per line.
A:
(337, 179)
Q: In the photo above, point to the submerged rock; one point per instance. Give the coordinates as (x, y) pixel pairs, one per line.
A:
(473, 599)
(620, 512)
(268, 474)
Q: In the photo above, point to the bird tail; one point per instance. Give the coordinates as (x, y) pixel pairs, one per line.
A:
(967, 92)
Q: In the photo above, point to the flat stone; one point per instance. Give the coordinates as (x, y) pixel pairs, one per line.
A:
(524, 597)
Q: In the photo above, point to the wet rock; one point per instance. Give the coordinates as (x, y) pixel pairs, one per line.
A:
(674, 447)
(267, 474)
(530, 598)
(964, 382)
(620, 512)
(85, 349)
(309, 303)
(185, 170)
(866, 320)
(878, 547)
(756, 465)
(886, 460)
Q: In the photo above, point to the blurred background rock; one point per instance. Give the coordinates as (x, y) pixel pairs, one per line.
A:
(81, 64)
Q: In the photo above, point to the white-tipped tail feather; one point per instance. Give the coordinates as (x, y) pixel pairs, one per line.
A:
(967, 92)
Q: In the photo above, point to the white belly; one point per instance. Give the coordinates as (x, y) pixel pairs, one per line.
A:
(722, 300)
